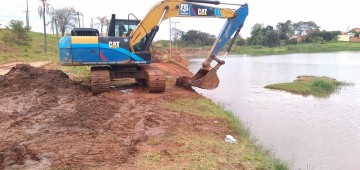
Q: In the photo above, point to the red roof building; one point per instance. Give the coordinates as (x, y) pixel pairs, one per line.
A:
(356, 29)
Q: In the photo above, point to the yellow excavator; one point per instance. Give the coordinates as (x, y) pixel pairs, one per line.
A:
(124, 52)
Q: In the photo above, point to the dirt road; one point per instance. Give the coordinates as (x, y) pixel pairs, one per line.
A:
(49, 121)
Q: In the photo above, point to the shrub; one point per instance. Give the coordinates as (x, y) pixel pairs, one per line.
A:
(18, 33)
(323, 85)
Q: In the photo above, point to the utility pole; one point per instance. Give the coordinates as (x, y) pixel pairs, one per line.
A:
(92, 23)
(27, 14)
(176, 45)
(82, 16)
(56, 27)
(170, 36)
(78, 13)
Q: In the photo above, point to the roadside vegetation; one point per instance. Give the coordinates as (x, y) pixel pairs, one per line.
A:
(310, 85)
(28, 51)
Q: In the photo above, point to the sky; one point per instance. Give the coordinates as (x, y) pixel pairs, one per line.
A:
(329, 15)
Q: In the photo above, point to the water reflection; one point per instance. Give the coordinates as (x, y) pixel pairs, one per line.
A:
(309, 132)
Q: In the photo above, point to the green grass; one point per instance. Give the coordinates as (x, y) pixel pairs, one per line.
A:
(302, 47)
(31, 52)
(207, 151)
(310, 85)
(34, 52)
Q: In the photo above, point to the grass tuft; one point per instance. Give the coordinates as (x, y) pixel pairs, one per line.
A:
(323, 86)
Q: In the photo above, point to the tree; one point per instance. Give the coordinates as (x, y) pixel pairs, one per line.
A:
(306, 27)
(176, 34)
(103, 21)
(256, 34)
(265, 36)
(317, 36)
(240, 41)
(198, 38)
(271, 37)
(65, 18)
(285, 30)
(357, 34)
(44, 9)
(18, 33)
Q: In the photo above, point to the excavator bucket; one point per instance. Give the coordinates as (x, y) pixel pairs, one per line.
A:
(206, 79)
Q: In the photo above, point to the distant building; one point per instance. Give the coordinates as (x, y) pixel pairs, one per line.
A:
(345, 36)
(356, 37)
(350, 36)
(357, 30)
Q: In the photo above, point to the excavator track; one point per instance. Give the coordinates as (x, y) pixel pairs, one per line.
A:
(155, 79)
(100, 80)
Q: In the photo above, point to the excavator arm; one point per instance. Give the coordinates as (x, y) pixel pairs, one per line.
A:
(206, 77)
(175, 8)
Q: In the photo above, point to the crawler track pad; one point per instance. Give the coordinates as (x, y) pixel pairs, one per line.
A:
(100, 80)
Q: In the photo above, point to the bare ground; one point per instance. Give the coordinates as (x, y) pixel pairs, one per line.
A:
(50, 121)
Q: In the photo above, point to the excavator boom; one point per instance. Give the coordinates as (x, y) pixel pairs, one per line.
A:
(175, 8)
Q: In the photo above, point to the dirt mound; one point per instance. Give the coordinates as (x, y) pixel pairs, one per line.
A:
(24, 77)
(26, 89)
(48, 121)
(51, 121)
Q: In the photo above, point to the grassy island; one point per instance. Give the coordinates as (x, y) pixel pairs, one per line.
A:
(310, 85)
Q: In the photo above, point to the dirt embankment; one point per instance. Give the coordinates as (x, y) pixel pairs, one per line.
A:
(49, 121)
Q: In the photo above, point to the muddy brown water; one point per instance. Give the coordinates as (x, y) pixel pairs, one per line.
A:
(307, 132)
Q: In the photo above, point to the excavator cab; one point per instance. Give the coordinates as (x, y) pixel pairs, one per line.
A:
(124, 28)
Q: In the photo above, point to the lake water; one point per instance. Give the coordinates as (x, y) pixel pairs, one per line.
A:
(307, 132)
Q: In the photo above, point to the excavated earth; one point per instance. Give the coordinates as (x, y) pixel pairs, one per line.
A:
(48, 120)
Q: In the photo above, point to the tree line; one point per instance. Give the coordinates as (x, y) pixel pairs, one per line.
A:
(284, 33)
(288, 33)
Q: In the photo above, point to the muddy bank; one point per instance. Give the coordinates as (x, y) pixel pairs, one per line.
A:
(50, 121)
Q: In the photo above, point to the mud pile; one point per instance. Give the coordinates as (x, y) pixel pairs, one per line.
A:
(23, 78)
(48, 121)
